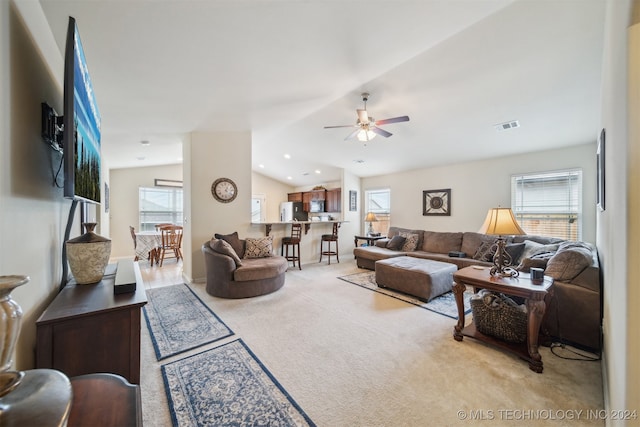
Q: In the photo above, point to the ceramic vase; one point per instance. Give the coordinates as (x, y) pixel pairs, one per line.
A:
(10, 316)
(88, 255)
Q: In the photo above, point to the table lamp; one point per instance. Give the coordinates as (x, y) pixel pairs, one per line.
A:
(370, 218)
(500, 222)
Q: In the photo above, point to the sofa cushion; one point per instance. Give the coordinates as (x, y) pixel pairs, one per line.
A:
(382, 243)
(223, 247)
(259, 248)
(487, 250)
(411, 241)
(234, 241)
(569, 261)
(260, 268)
(396, 242)
(441, 242)
(527, 263)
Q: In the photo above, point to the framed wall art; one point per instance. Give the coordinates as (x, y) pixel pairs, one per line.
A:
(436, 202)
(353, 200)
(600, 158)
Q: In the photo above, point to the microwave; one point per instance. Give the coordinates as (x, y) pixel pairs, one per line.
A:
(317, 206)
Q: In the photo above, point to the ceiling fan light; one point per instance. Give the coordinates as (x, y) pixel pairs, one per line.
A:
(366, 135)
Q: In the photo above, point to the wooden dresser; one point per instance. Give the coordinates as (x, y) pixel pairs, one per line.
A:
(88, 329)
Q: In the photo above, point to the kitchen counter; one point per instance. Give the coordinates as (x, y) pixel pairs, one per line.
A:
(307, 224)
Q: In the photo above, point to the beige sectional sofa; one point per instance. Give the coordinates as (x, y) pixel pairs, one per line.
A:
(573, 312)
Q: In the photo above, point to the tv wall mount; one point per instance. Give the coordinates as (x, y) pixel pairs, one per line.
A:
(52, 127)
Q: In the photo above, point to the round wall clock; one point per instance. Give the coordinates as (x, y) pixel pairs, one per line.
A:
(224, 190)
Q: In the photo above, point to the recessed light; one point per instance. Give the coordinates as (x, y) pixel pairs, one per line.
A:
(261, 166)
(305, 174)
(145, 143)
(318, 171)
(289, 178)
(287, 156)
(141, 158)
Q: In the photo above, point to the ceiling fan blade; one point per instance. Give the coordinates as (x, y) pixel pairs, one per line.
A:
(392, 120)
(352, 135)
(363, 116)
(381, 132)
(341, 126)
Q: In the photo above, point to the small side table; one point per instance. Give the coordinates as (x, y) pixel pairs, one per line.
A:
(520, 286)
(370, 239)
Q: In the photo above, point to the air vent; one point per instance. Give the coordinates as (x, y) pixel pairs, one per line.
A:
(507, 125)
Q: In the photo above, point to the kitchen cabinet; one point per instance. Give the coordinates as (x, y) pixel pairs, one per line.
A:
(334, 200)
(295, 197)
(313, 195)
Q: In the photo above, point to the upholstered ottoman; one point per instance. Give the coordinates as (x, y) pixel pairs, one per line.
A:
(422, 278)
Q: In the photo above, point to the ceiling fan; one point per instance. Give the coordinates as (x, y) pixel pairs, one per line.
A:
(367, 127)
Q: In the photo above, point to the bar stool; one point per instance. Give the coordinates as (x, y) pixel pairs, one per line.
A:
(294, 242)
(333, 237)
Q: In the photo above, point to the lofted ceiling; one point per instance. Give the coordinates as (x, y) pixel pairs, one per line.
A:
(284, 69)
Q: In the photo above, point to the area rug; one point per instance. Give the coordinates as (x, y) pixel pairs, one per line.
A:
(228, 386)
(179, 321)
(444, 304)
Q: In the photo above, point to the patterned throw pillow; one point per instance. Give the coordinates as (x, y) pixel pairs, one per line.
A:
(224, 248)
(259, 248)
(485, 252)
(411, 241)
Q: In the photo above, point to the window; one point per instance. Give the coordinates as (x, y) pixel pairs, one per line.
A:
(549, 203)
(159, 205)
(378, 202)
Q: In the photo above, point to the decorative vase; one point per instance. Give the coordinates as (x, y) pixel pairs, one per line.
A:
(88, 255)
(10, 316)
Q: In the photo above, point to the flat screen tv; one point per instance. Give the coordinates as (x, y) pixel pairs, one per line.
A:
(81, 118)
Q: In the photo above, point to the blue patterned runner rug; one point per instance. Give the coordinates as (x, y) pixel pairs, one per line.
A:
(179, 321)
(445, 304)
(228, 386)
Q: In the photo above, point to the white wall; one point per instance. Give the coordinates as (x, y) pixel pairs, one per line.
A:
(123, 205)
(273, 191)
(478, 186)
(618, 225)
(210, 158)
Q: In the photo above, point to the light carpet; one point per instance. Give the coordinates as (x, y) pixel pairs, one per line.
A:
(228, 386)
(179, 321)
(444, 304)
(355, 358)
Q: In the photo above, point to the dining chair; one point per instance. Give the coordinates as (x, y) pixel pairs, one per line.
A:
(163, 224)
(171, 241)
(152, 256)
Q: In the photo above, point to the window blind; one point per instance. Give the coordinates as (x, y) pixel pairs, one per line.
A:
(158, 205)
(549, 203)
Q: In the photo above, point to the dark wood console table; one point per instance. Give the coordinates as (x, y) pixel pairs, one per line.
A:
(87, 329)
(521, 286)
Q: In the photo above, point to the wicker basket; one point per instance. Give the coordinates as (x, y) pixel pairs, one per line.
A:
(499, 316)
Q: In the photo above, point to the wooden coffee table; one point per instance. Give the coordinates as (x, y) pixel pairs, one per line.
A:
(521, 286)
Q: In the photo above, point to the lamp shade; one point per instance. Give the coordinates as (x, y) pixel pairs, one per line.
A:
(370, 217)
(500, 221)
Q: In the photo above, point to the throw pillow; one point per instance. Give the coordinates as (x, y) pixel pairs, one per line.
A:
(568, 263)
(234, 241)
(259, 248)
(222, 247)
(515, 250)
(396, 243)
(411, 241)
(485, 252)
